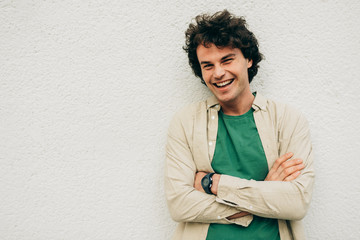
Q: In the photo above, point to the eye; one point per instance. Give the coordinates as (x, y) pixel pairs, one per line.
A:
(207, 66)
(228, 60)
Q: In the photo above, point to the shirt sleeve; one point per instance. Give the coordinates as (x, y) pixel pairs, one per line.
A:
(185, 203)
(276, 199)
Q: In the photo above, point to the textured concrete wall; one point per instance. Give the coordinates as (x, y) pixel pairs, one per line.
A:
(87, 90)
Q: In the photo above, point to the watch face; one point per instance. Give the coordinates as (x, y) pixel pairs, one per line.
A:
(206, 181)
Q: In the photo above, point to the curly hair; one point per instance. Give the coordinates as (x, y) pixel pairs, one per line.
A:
(222, 29)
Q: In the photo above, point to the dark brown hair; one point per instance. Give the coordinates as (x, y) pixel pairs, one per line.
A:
(222, 29)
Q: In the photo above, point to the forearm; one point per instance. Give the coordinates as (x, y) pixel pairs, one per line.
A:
(276, 199)
(283, 170)
(186, 204)
(195, 206)
(271, 199)
(285, 193)
(281, 200)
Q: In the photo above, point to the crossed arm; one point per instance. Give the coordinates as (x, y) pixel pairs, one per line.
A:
(284, 169)
(285, 193)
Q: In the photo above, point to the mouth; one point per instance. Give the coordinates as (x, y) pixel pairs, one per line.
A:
(223, 84)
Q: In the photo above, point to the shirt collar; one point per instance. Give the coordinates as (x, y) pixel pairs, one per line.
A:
(258, 104)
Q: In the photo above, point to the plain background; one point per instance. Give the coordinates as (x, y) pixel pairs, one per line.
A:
(88, 88)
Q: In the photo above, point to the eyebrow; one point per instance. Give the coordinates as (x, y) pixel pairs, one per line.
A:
(223, 58)
(227, 56)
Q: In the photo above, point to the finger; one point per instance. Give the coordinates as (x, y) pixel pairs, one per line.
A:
(290, 163)
(276, 169)
(292, 176)
(291, 170)
(281, 160)
(238, 215)
(242, 214)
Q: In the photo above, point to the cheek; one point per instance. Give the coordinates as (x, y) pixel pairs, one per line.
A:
(206, 76)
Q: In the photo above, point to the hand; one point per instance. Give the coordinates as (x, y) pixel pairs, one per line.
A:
(238, 215)
(285, 169)
(282, 170)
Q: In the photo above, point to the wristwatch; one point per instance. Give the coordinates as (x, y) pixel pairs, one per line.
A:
(206, 183)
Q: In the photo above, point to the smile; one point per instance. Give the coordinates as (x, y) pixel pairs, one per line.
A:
(223, 84)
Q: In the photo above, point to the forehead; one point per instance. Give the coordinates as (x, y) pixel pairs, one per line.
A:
(212, 52)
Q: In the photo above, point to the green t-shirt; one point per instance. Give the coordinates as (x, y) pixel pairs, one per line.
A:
(239, 153)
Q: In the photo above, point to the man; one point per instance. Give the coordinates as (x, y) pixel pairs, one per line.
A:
(238, 166)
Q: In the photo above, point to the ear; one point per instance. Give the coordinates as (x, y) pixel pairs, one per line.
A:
(249, 63)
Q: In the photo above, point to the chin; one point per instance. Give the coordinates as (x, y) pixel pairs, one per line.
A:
(225, 100)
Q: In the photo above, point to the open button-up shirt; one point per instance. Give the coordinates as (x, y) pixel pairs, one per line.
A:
(190, 149)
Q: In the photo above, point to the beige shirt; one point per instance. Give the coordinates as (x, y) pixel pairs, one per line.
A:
(190, 148)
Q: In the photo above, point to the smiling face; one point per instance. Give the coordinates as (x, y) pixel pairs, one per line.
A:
(225, 72)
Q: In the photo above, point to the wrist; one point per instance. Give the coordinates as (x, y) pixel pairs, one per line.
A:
(215, 183)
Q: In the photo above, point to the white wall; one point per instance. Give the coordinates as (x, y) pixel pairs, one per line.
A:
(87, 90)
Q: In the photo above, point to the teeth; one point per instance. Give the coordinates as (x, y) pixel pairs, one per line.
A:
(223, 83)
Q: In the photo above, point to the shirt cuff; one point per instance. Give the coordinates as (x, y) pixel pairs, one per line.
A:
(228, 192)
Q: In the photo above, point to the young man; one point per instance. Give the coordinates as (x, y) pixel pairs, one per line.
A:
(238, 166)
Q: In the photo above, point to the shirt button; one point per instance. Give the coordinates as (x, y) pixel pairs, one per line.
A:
(210, 143)
(219, 217)
(212, 117)
(251, 207)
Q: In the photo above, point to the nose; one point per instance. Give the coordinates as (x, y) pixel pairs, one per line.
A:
(219, 72)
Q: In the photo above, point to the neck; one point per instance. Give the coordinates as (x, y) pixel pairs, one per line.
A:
(239, 106)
